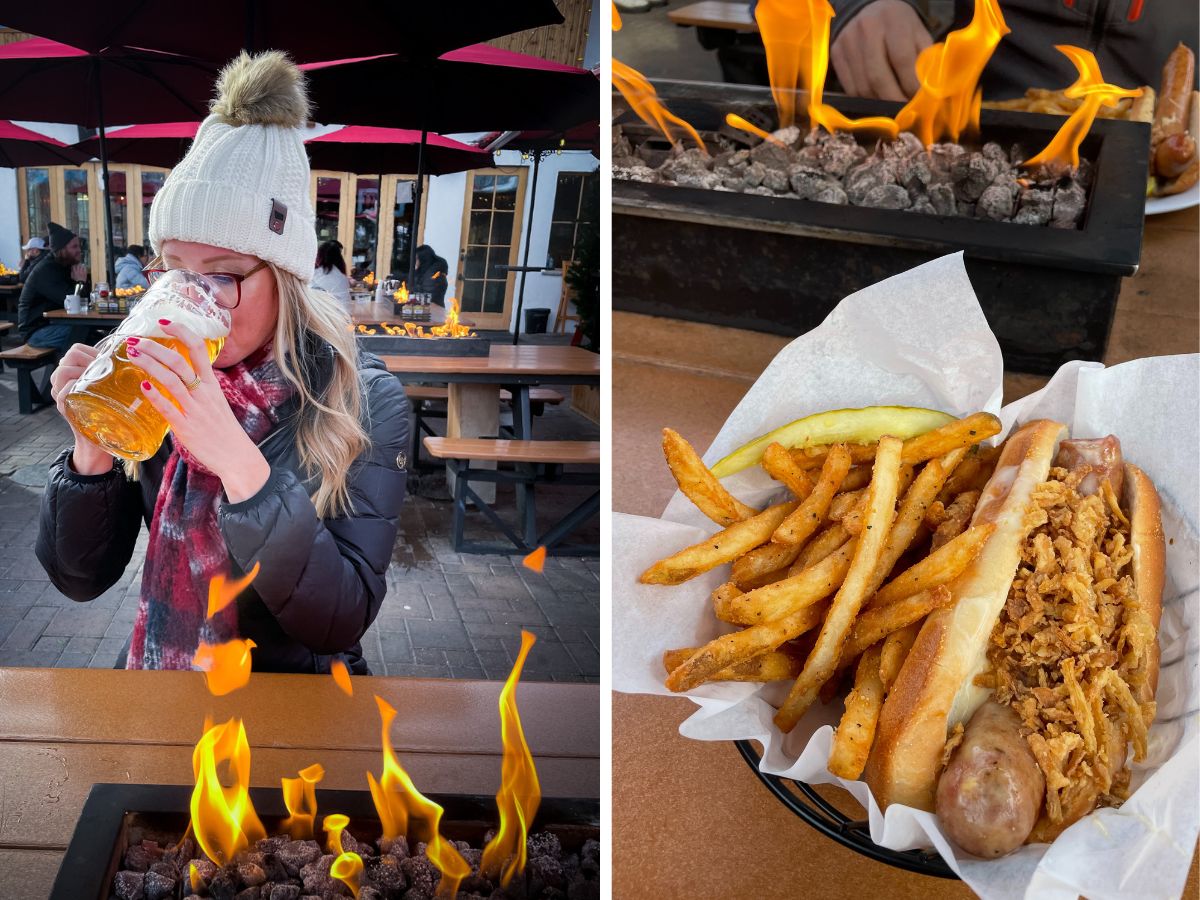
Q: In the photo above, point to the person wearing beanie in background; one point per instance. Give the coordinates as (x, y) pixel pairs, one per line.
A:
(35, 252)
(46, 289)
(286, 454)
(129, 268)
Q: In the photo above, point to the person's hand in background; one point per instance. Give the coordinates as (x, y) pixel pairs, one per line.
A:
(875, 55)
(79, 272)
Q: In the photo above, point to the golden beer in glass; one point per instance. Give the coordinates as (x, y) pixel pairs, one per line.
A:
(106, 405)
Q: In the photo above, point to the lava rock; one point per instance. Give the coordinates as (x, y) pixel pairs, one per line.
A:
(739, 160)
(1069, 202)
(993, 151)
(180, 853)
(887, 196)
(422, 875)
(544, 871)
(869, 175)
(281, 892)
(772, 156)
(397, 847)
(295, 855)
(838, 156)
(250, 893)
(941, 196)
(367, 892)
(923, 205)
(996, 203)
(205, 868)
(583, 889)
(908, 144)
(130, 885)
(754, 174)
(251, 874)
(158, 887)
(316, 878)
(776, 180)
(163, 867)
(973, 174)
(831, 193)
(385, 874)
(139, 859)
(589, 858)
(222, 887)
(787, 136)
(1035, 207)
(706, 180)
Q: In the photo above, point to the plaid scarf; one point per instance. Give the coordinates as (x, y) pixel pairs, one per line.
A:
(186, 549)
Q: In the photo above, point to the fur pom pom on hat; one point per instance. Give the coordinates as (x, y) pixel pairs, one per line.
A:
(243, 185)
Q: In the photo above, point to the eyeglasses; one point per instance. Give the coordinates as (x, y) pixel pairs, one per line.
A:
(228, 284)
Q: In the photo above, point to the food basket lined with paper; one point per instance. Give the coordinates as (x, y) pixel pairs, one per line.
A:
(975, 620)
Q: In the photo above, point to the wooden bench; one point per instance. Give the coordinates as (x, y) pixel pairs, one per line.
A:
(719, 14)
(5, 328)
(419, 395)
(27, 360)
(533, 462)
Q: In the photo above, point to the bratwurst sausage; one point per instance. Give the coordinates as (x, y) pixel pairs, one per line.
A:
(990, 795)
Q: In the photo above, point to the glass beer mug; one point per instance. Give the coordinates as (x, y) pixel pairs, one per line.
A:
(106, 405)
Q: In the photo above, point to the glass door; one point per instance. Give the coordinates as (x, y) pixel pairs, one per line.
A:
(366, 226)
(491, 235)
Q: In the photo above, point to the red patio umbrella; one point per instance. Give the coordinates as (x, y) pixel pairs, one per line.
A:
(22, 147)
(216, 30)
(161, 144)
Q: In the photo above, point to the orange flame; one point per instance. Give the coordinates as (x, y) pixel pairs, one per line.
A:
(616, 18)
(226, 666)
(223, 818)
(451, 327)
(736, 121)
(194, 878)
(639, 93)
(1063, 149)
(348, 867)
(520, 793)
(220, 595)
(795, 34)
(401, 295)
(535, 560)
(341, 677)
(397, 798)
(947, 102)
(369, 279)
(300, 798)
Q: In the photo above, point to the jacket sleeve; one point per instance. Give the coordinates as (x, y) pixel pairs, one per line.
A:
(845, 10)
(324, 580)
(88, 527)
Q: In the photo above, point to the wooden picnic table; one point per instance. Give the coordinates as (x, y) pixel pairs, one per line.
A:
(92, 318)
(63, 730)
(473, 408)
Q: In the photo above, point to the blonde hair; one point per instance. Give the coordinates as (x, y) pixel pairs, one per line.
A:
(329, 433)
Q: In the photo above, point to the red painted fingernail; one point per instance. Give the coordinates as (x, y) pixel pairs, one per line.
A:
(164, 321)
(133, 352)
(131, 341)
(145, 385)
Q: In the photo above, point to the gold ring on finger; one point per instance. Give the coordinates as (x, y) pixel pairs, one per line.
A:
(191, 385)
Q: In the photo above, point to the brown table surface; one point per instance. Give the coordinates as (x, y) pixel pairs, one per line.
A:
(504, 359)
(715, 14)
(698, 804)
(98, 316)
(63, 730)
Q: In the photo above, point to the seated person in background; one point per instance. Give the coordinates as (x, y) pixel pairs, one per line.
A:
(430, 277)
(330, 273)
(46, 289)
(35, 252)
(874, 43)
(129, 268)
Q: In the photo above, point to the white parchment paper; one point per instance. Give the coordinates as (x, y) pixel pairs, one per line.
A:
(920, 339)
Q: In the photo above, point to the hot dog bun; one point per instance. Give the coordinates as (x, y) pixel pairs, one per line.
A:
(1149, 555)
(934, 689)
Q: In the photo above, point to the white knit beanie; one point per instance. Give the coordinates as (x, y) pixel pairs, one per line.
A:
(244, 183)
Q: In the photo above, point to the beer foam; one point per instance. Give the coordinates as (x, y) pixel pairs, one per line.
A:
(170, 305)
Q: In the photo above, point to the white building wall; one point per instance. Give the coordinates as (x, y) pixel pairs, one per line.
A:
(10, 217)
(444, 212)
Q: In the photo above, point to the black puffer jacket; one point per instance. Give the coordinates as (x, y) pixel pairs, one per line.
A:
(321, 581)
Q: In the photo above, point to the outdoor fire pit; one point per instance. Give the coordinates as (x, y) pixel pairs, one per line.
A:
(152, 819)
(777, 253)
(403, 345)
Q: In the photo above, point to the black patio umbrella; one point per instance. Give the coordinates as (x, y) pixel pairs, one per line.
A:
(43, 80)
(217, 30)
(22, 147)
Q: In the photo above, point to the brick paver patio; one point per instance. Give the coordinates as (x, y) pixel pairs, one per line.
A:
(445, 614)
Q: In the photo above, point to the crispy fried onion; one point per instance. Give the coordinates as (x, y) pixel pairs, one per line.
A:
(1071, 649)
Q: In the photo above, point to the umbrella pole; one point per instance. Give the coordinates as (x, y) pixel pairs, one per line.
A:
(416, 216)
(109, 272)
(537, 159)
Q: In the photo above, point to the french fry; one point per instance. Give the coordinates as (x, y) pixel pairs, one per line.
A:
(857, 478)
(783, 597)
(731, 649)
(721, 598)
(820, 547)
(763, 580)
(959, 433)
(912, 511)
(700, 485)
(958, 516)
(814, 457)
(778, 463)
(876, 624)
(856, 731)
(822, 661)
(844, 503)
(939, 567)
(774, 665)
(972, 474)
(853, 520)
(762, 561)
(895, 650)
(722, 547)
(802, 522)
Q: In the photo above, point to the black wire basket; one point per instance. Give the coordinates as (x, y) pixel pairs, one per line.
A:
(833, 823)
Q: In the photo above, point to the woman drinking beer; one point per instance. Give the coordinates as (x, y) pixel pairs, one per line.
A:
(286, 450)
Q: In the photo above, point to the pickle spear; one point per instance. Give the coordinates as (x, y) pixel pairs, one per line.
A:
(852, 426)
